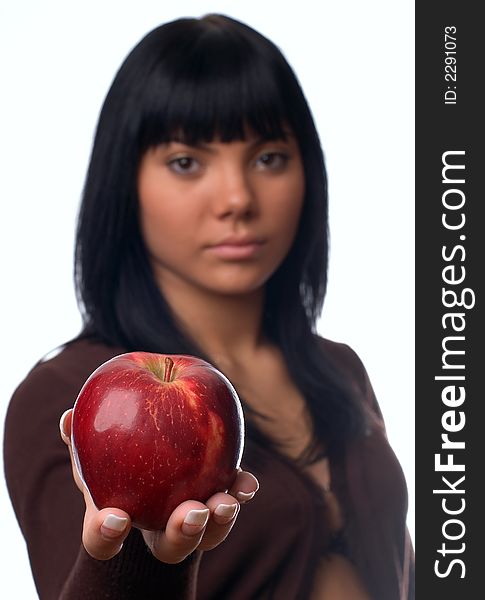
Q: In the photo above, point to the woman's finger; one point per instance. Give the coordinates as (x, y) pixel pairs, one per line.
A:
(65, 427)
(223, 512)
(225, 508)
(104, 531)
(210, 523)
(244, 487)
(182, 534)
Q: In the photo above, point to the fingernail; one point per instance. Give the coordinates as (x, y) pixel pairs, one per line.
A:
(244, 497)
(61, 422)
(113, 526)
(195, 521)
(227, 512)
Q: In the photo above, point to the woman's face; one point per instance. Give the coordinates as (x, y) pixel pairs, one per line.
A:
(220, 216)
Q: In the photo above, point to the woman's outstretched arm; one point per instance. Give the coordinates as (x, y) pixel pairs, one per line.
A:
(72, 554)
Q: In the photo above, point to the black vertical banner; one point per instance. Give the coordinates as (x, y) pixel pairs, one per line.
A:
(450, 272)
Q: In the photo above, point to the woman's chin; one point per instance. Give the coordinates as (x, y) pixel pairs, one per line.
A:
(238, 287)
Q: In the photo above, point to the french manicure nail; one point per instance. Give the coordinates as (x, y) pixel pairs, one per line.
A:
(244, 497)
(113, 526)
(61, 422)
(195, 521)
(226, 511)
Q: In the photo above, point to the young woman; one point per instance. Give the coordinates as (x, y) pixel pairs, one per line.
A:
(203, 230)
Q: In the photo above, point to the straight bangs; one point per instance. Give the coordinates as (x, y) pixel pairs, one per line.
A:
(215, 86)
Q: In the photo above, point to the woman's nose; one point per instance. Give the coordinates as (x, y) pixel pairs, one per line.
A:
(235, 196)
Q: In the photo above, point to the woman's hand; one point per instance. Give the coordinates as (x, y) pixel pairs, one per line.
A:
(192, 525)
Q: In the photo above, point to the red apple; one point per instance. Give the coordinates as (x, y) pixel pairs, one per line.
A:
(150, 431)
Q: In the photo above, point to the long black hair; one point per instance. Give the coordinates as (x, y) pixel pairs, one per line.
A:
(196, 79)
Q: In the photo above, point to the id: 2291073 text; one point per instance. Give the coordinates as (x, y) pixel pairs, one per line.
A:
(450, 64)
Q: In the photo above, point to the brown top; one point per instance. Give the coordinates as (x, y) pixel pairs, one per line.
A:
(277, 541)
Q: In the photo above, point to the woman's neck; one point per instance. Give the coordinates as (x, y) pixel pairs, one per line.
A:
(227, 327)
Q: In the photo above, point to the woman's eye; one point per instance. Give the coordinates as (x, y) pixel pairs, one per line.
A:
(185, 165)
(273, 160)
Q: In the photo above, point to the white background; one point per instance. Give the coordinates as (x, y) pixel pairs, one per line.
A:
(354, 60)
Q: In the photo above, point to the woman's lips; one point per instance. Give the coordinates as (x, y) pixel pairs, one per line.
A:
(236, 251)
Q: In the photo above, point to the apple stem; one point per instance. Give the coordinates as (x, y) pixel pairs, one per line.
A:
(168, 369)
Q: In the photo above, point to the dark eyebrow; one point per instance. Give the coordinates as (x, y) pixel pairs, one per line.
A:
(257, 142)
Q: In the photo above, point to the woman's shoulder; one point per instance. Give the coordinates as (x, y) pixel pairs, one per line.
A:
(61, 373)
(339, 350)
(349, 362)
(344, 357)
(77, 357)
